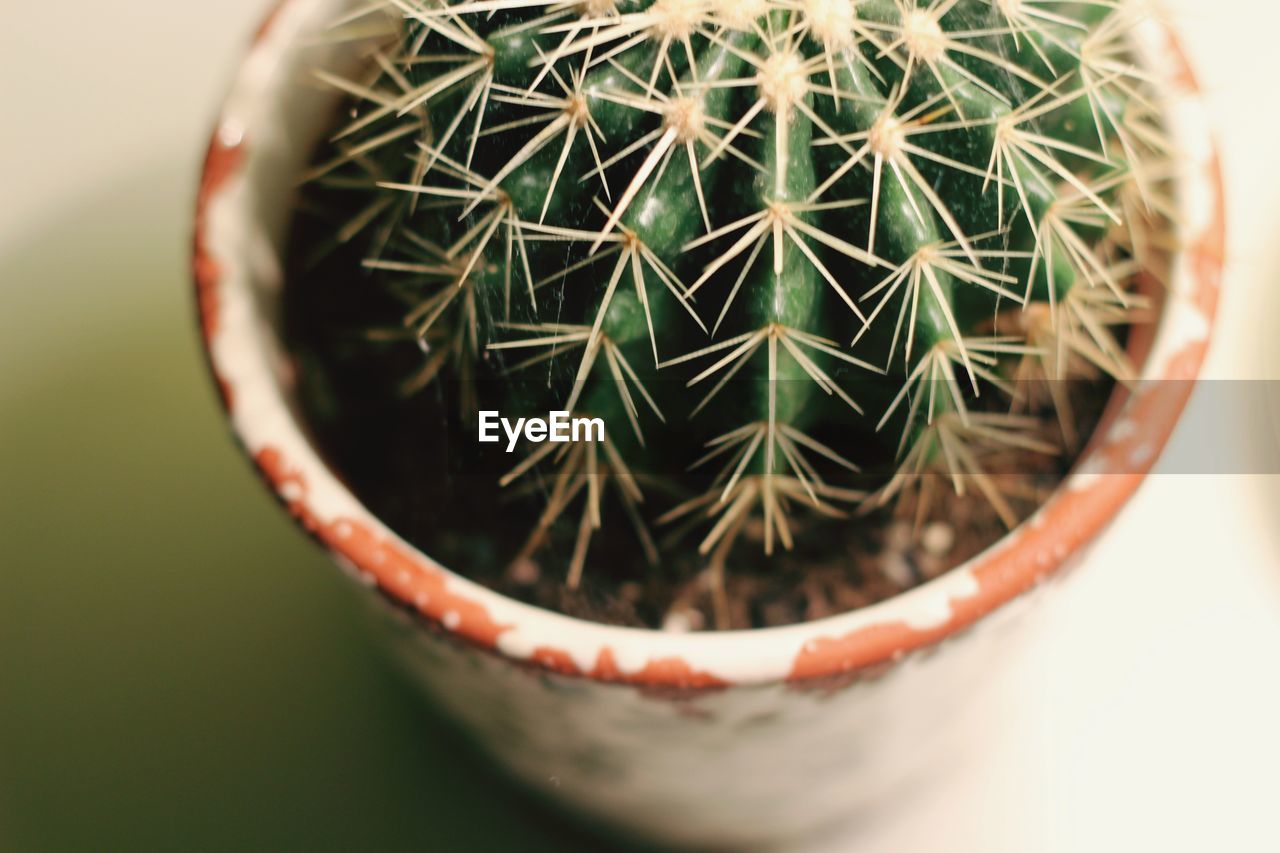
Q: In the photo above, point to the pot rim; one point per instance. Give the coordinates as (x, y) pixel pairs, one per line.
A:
(232, 272)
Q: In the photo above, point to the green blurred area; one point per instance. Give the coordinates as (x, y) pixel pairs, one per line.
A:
(180, 669)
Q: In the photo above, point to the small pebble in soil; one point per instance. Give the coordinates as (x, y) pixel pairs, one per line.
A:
(897, 569)
(683, 622)
(938, 539)
(900, 538)
(524, 572)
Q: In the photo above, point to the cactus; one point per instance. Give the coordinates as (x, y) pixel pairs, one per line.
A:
(757, 237)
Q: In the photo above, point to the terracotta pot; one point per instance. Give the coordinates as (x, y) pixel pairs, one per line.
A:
(710, 738)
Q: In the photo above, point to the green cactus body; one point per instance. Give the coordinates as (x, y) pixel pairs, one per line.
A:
(765, 200)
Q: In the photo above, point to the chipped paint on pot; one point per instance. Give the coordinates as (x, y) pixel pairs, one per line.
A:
(668, 733)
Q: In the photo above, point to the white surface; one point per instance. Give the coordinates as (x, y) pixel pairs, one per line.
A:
(1144, 716)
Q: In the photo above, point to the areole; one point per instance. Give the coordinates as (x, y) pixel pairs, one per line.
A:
(246, 361)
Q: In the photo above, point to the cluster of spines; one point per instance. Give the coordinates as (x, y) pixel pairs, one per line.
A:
(625, 129)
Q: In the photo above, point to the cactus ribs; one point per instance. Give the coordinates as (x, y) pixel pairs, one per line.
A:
(816, 264)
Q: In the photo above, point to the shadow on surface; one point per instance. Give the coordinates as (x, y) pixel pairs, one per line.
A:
(181, 669)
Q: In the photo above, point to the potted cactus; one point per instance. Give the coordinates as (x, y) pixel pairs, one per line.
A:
(767, 315)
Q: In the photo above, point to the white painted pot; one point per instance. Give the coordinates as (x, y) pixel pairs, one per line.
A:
(719, 738)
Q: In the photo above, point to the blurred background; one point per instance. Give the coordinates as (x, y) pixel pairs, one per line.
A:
(163, 687)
